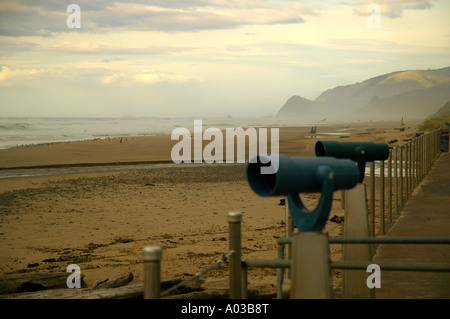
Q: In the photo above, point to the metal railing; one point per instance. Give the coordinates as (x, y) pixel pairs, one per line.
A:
(406, 166)
(398, 176)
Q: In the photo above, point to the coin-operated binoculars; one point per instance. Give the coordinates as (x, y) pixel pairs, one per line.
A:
(356, 223)
(360, 152)
(311, 276)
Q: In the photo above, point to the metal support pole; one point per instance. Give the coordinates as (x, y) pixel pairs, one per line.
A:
(390, 187)
(418, 159)
(396, 181)
(289, 229)
(382, 197)
(429, 151)
(372, 199)
(410, 169)
(152, 271)
(421, 157)
(416, 179)
(401, 176)
(356, 224)
(234, 221)
(280, 271)
(424, 155)
(406, 170)
(311, 272)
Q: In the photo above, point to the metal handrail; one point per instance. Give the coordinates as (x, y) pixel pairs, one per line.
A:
(397, 266)
(379, 240)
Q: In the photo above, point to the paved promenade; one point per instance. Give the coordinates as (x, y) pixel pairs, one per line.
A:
(426, 214)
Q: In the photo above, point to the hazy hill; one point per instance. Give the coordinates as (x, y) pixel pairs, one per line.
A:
(445, 110)
(410, 94)
(438, 119)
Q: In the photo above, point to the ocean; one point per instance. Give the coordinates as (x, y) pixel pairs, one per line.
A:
(18, 131)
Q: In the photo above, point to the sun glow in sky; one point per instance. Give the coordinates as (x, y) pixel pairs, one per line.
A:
(204, 57)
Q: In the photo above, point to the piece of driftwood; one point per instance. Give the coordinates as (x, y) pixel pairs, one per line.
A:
(221, 294)
(125, 292)
(131, 291)
(203, 294)
(115, 282)
(27, 282)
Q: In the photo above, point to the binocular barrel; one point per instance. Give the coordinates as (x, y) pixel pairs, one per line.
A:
(353, 150)
(300, 174)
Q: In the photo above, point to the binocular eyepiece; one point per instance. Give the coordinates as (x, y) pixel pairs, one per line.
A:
(360, 152)
(338, 166)
(300, 175)
(353, 150)
(303, 175)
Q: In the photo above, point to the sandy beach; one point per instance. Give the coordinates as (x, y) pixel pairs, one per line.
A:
(101, 220)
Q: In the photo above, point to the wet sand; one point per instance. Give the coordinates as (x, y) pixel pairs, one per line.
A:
(102, 220)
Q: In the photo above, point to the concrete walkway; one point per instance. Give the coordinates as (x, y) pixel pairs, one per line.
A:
(426, 214)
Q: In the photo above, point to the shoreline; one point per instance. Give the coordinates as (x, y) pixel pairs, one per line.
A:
(130, 150)
(102, 220)
(118, 136)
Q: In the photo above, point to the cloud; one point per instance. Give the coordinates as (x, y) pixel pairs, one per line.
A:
(90, 74)
(144, 77)
(80, 46)
(44, 18)
(7, 74)
(10, 46)
(147, 77)
(391, 8)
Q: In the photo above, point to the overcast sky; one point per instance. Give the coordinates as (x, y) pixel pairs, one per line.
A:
(204, 58)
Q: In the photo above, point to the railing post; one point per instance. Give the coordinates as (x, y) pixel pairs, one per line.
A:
(424, 165)
(429, 152)
(416, 160)
(401, 176)
(289, 228)
(311, 271)
(396, 181)
(427, 155)
(406, 170)
(382, 189)
(390, 187)
(280, 272)
(152, 271)
(411, 187)
(421, 157)
(356, 224)
(234, 221)
(372, 198)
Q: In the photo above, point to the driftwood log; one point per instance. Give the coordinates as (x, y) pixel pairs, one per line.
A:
(54, 286)
(221, 294)
(132, 291)
(20, 283)
(114, 282)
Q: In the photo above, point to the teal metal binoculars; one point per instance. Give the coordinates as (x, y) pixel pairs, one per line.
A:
(304, 175)
(360, 152)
